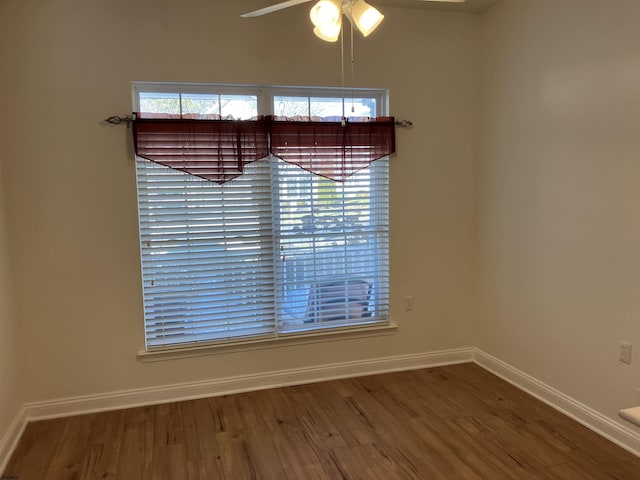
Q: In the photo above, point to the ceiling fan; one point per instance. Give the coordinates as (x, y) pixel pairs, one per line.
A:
(326, 15)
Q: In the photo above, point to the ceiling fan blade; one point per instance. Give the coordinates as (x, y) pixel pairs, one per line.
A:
(273, 8)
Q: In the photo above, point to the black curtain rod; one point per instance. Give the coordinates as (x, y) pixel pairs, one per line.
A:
(117, 120)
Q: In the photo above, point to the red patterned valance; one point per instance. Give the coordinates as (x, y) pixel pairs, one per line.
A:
(332, 149)
(218, 150)
(205, 146)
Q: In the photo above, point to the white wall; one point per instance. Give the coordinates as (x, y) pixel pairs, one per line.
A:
(11, 367)
(560, 199)
(11, 391)
(71, 186)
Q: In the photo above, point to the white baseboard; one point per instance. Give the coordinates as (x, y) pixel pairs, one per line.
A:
(242, 383)
(10, 439)
(619, 434)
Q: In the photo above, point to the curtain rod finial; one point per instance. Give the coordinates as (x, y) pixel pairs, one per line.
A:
(116, 120)
(403, 123)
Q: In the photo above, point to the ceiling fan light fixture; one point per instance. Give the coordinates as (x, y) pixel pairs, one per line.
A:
(365, 17)
(326, 13)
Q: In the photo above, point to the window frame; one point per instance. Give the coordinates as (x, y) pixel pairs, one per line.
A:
(265, 100)
(263, 92)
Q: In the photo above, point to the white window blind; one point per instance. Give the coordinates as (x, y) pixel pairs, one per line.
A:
(332, 240)
(207, 255)
(276, 250)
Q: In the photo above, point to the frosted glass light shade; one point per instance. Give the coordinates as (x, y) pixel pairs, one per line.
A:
(329, 32)
(326, 13)
(366, 17)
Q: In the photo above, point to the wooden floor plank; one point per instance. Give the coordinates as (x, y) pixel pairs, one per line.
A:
(491, 446)
(629, 470)
(205, 468)
(33, 455)
(105, 441)
(573, 471)
(235, 460)
(169, 462)
(136, 457)
(445, 423)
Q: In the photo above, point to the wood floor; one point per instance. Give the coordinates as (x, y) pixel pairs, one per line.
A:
(446, 423)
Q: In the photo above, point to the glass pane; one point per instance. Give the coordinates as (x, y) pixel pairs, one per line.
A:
(326, 107)
(358, 107)
(203, 104)
(152, 102)
(240, 107)
(291, 106)
(353, 107)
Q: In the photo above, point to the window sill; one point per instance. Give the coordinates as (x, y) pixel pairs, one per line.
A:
(289, 339)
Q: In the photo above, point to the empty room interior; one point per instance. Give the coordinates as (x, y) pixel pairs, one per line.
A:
(489, 303)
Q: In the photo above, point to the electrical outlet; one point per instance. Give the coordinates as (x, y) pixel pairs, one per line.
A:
(625, 352)
(408, 303)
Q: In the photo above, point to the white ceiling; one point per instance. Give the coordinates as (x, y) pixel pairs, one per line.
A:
(473, 6)
(469, 6)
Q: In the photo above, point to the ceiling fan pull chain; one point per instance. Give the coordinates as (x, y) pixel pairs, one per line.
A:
(342, 72)
(352, 69)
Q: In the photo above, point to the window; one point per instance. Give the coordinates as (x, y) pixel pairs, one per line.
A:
(277, 251)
